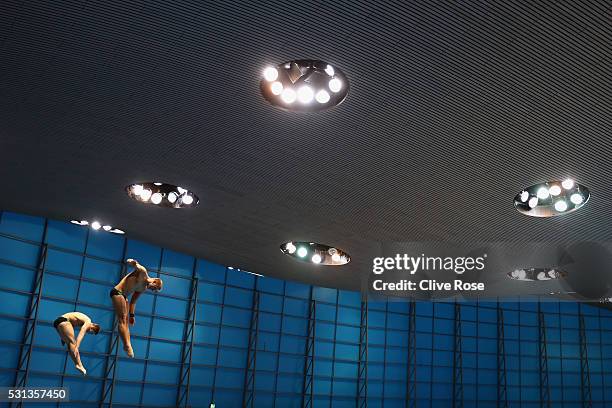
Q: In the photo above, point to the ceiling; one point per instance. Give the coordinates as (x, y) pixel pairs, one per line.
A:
(454, 107)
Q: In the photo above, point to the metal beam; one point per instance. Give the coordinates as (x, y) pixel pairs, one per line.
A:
(457, 361)
(502, 383)
(248, 393)
(309, 355)
(362, 364)
(544, 385)
(182, 397)
(411, 366)
(585, 373)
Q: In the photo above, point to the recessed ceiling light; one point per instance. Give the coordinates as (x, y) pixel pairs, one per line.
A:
(293, 85)
(536, 274)
(96, 225)
(319, 253)
(548, 199)
(162, 195)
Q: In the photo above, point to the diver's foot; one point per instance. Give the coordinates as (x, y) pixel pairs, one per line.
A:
(129, 351)
(81, 369)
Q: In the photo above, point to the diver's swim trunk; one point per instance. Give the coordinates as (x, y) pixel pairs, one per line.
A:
(117, 292)
(59, 321)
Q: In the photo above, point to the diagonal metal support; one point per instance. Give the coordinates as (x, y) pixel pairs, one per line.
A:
(502, 384)
(585, 373)
(544, 385)
(112, 352)
(457, 361)
(25, 353)
(362, 366)
(411, 375)
(182, 397)
(309, 355)
(248, 396)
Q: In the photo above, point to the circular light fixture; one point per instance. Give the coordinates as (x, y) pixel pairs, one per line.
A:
(107, 227)
(548, 199)
(97, 226)
(536, 274)
(320, 254)
(162, 195)
(294, 84)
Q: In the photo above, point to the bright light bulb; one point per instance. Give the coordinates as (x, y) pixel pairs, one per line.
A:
(276, 88)
(181, 190)
(83, 222)
(336, 258)
(554, 190)
(305, 94)
(576, 198)
(137, 189)
(515, 273)
(521, 274)
(187, 199)
(156, 198)
(146, 194)
(172, 197)
(542, 276)
(107, 228)
(117, 231)
(329, 70)
(316, 258)
(75, 222)
(561, 206)
(270, 74)
(302, 252)
(96, 225)
(290, 247)
(524, 196)
(322, 96)
(158, 184)
(288, 95)
(543, 193)
(568, 184)
(335, 85)
(533, 202)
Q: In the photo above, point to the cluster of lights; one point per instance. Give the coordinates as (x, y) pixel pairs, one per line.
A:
(551, 198)
(304, 85)
(242, 270)
(164, 195)
(315, 253)
(536, 274)
(97, 225)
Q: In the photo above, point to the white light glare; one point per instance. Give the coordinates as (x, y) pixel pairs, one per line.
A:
(181, 190)
(329, 70)
(270, 74)
(288, 95)
(276, 88)
(322, 96)
(524, 196)
(561, 206)
(96, 225)
(156, 198)
(107, 228)
(316, 258)
(302, 252)
(137, 189)
(554, 190)
(305, 94)
(336, 258)
(533, 202)
(568, 184)
(290, 247)
(576, 198)
(543, 193)
(146, 194)
(521, 274)
(335, 85)
(187, 199)
(117, 231)
(172, 197)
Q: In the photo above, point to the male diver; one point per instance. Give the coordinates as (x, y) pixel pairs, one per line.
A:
(132, 284)
(65, 325)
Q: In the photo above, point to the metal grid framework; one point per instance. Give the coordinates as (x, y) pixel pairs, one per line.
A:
(182, 398)
(248, 397)
(585, 373)
(502, 386)
(457, 361)
(544, 384)
(309, 355)
(362, 364)
(411, 377)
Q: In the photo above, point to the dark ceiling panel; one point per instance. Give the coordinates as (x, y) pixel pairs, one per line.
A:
(454, 108)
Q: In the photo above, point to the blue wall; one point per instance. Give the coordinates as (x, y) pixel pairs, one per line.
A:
(82, 266)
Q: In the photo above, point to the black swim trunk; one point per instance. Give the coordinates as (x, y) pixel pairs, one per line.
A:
(59, 321)
(117, 292)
